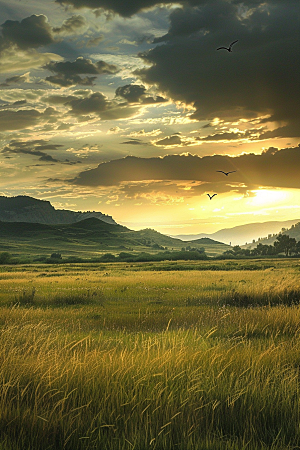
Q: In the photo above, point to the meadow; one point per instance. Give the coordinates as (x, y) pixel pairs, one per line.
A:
(196, 355)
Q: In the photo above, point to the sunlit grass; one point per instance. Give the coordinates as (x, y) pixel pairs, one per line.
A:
(125, 359)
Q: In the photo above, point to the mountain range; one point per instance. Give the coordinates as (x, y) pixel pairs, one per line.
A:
(33, 226)
(242, 234)
(44, 232)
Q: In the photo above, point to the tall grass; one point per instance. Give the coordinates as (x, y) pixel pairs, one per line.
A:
(178, 389)
(122, 360)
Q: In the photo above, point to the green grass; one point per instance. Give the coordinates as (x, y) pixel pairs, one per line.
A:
(90, 238)
(116, 356)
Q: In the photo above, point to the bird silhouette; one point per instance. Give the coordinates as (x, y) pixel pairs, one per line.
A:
(229, 49)
(211, 196)
(226, 173)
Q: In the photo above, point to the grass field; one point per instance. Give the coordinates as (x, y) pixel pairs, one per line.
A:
(178, 355)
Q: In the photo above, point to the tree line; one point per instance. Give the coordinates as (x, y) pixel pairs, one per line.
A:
(283, 244)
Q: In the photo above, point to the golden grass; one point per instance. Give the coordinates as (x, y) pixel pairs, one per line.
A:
(148, 360)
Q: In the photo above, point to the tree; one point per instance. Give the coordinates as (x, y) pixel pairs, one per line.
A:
(284, 243)
(297, 248)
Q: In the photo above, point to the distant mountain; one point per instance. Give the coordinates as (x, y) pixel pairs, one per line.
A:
(292, 232)
(34, 226)
(241, 234)
(27, 209)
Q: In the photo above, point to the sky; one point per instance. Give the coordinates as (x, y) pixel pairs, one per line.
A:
(128, 108)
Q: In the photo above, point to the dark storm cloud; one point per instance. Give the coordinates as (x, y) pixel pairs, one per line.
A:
(259, 77)
(17, 120)
(31, 32)
(68, 73)
(278, 168)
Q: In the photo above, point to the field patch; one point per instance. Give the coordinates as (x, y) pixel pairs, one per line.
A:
(117, 356)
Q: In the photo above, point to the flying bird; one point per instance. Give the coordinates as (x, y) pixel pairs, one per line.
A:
(226, 173)
(211, 196)
(228, 48)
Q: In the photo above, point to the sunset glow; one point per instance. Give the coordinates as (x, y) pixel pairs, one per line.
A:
(131, 111)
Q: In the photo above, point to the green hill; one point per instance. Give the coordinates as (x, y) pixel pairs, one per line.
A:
(90, 238)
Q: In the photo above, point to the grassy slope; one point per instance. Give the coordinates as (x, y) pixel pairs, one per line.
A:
(114, 357)
(87, 238)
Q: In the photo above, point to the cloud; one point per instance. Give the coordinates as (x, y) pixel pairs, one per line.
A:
(277, 169)
(131, 92)
(124, 8)
(71, 80)
(134, 142)
(32, 148)
(98, 104)
(231, 135)
(20, 40)
(36, 148)
(152, 100)
(73, 25)
(94, 41)
(17, 79)
(68, 73)
(169, 140)
(13, 59)
(24, 118)
(135, 93)
(145, 133)
(58, 99)
(31, 32)
(259, 77)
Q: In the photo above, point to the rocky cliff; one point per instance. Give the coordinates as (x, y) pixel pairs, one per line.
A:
(28, 209)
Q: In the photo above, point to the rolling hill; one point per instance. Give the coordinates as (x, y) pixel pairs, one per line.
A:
(89, 238)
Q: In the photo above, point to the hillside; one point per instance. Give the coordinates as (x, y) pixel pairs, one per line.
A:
(88, 238)
(241, 234)
(27, 209)
(292, 232)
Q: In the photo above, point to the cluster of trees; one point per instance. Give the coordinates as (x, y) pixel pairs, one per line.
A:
(283, 244)
(186, 255)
